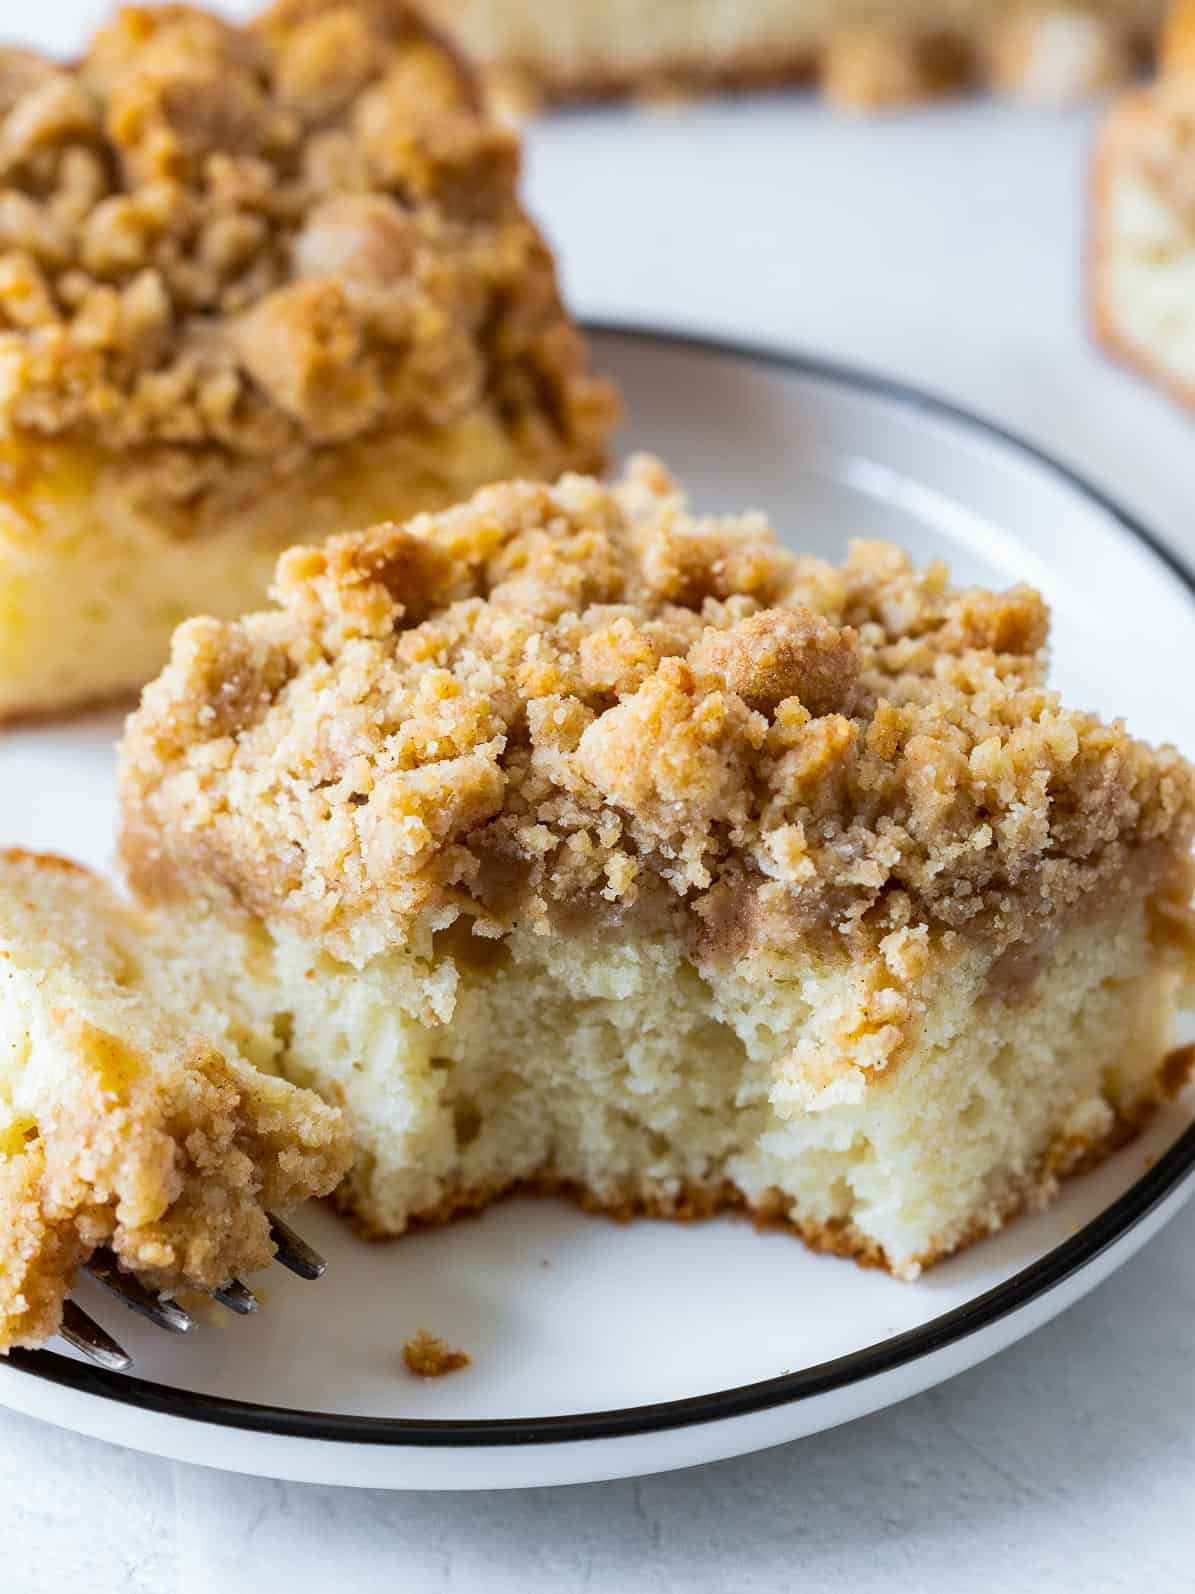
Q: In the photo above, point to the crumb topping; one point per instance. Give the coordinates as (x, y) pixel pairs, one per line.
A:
(552, 698)
(428, 1356)
(258, 241)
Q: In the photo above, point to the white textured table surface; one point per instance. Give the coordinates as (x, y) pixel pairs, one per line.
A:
(944, 248)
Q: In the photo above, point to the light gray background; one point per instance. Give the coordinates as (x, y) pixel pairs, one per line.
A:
(944, 247)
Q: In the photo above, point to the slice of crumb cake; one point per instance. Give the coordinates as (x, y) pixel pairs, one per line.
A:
(251, 278)
(127, 1119)
(588, 845)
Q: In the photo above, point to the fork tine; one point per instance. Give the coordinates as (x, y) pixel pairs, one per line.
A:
(105, 1269)
(86, 1336)
(293, 1252)
(237, 1298)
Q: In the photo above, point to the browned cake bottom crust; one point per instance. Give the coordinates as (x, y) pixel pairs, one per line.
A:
(1067, 1157)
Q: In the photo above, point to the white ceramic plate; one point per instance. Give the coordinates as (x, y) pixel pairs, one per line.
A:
(602, 1351)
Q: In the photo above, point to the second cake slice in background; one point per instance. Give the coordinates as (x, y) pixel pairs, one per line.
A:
(254, 282)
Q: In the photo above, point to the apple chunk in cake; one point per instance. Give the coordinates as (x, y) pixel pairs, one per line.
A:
(590, 845)
(253, 281)
(124, 1122)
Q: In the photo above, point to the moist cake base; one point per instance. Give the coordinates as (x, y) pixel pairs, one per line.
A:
(1066, 1158)
(148, 1064)
(619, 1076)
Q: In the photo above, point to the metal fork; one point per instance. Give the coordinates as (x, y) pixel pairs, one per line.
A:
(85, 1335)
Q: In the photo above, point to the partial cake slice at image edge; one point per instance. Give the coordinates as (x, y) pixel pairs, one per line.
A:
(1141, 255)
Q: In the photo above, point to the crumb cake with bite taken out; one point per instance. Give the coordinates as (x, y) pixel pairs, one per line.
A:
(251, 278)
(863, 53)
(134, 1113)
(569, 841)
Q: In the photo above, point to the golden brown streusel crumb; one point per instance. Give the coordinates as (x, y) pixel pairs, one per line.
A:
(552, 698)
(251, 242)
(428, 1356)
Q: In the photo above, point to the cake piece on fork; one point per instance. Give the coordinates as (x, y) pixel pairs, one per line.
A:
(592, 846)
(135, 1116)
(252, 280)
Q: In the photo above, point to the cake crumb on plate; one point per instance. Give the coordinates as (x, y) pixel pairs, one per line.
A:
(428, 1356)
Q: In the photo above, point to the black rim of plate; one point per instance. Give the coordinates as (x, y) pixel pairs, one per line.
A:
(1032, 1283)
